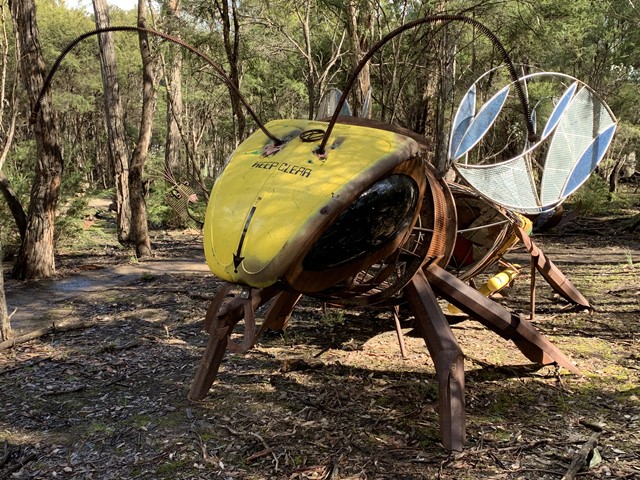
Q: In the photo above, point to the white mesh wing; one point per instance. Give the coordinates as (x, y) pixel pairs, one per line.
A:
(584, 119)
(509, 183)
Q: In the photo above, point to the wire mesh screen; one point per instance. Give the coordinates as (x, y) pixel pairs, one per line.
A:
(509, 183)
(583, 120)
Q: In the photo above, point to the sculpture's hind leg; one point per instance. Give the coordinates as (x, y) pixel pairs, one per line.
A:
(533, 344)
(552, 274)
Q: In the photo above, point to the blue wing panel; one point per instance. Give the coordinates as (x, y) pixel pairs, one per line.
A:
(464, 117)
(589, 160)
(559, 110)
(483, 121)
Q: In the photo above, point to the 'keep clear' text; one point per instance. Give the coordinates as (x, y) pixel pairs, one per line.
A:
(284, 167)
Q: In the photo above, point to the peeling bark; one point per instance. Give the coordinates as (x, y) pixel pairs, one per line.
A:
(36, 257)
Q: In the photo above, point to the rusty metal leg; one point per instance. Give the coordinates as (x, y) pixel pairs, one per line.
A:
(215, 305)
(396, 320)
(280, 312)
(533, 344)
(447, 357)
(552, 274)
(219, 330)
(220, 319)
(532, 296)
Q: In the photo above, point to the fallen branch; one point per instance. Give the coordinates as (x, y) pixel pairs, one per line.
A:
(581, 459)
(62, 327)
(25, 364)
(19, 464)
(64, 391)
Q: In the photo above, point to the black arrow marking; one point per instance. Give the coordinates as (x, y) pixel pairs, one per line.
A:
(237, 259)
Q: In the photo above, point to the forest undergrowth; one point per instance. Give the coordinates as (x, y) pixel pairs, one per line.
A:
(330, 397)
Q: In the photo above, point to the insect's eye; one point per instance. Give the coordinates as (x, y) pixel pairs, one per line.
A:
(376, 217)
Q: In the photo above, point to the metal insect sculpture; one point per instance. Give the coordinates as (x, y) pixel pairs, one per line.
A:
(349, 211)
(182, 195)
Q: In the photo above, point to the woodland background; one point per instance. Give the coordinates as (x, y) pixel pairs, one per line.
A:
(123, 123)
(121, 118)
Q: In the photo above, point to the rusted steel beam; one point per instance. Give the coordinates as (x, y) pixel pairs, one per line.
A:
(447, 357)
(532, 293)
(396, 320)
(279, 313)
(552, 274)
(219, 330)
(533, 344)
(214, 307)
(220, 319)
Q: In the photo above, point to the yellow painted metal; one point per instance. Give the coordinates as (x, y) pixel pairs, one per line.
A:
(271, 203)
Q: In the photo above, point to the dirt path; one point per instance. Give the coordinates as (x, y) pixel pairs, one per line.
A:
(40, 303)
(328, 398)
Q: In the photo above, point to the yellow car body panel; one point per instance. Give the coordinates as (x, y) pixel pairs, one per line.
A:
(267, 208)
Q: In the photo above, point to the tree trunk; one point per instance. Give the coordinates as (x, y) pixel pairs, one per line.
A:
(118, 151)
(359, 46)
(14, 204)
(9, 194)
(5, 324)
(36, 256)
(231, 48)
(174, 117)
(446, 83)
(305, 23)
(175, 105)
(139, 228)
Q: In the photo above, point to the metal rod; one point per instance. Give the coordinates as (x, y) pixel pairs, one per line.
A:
(532, 299)
(396, 319)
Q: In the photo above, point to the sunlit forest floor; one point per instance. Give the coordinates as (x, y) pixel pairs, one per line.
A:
(328, 398)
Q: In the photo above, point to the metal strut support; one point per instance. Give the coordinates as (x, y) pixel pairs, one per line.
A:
(447, 357)
(552, 274)
(533, 344)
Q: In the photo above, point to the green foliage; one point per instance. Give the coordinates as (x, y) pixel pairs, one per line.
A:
(68, 226)
(333, 319)
(595, 41)
(627, 138)
(159, 213)
(593, 197)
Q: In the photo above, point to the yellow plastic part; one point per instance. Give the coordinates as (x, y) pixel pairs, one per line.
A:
(270, 203)
(494, 284)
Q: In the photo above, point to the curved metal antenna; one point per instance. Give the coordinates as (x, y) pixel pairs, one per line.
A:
(219, 70)
(407, 26)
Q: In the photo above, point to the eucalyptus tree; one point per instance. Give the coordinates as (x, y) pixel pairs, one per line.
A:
(228, 16)
(117, 142)
(8, 116)
(139, 227)
(7, 130)
(314, 35)
(36, 255)
(173, 81)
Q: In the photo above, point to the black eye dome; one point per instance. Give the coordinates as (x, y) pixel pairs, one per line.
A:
(376, 217)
